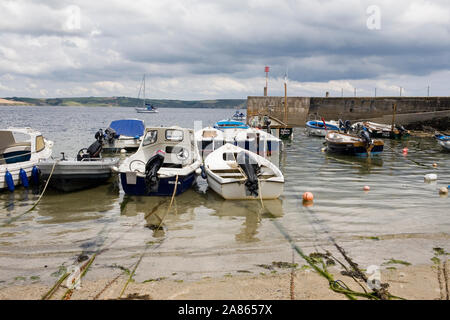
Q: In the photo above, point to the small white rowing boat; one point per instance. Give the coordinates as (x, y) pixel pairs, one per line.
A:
(238, 174)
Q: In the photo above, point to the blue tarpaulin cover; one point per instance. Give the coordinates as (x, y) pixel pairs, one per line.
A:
(128, 127)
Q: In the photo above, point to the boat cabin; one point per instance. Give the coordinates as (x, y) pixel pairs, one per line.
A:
(17, 145)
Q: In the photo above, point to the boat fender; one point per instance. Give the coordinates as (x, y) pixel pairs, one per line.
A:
(251, 169)
(35, 175)
(151, 170)
(203, 171)
(9, 181)
(23, 178)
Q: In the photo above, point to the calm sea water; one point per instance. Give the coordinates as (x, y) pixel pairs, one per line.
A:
(401, 217)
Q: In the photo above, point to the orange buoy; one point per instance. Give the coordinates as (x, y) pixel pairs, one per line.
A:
(435, 164)
(308, 196)
(366, 188)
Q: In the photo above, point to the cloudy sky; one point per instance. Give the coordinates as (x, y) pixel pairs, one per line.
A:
(201, 49)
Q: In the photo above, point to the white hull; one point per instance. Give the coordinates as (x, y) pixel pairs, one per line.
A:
(444, 144)
(236, 190)
(143, 110)
(226, 179)
(15, 173)
(35, 157)
(316, 132)
(127, 143)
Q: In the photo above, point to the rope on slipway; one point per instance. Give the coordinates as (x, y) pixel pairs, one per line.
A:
(147, 245)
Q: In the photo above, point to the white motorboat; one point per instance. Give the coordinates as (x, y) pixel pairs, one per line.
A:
(258, 141)
(121, 134)
(167, 156)
(20, 151)
(239, 174)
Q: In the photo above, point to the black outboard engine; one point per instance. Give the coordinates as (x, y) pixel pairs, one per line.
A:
(267, 123)
(401, 128)
(251, 170)
(151, 171)
(365, 136)
(347, 126)
(110, 135)
(99, 135)
(341, 124)
(94, 150)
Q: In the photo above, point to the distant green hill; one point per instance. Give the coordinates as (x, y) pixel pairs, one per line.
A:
(133, 102)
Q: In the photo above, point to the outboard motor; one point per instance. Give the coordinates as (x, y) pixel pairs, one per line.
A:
(365, 136)
(94, 149)
(401, 128)
(341, 124)
(347, 126)
(110, 135)
(251, 170)
(267, 123)
(99, 135)
(151, 171)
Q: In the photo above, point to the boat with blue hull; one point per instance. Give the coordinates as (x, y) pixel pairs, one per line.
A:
(165, 188)
(167, 158)
(319, 129)
(443, 140)
(230, 124)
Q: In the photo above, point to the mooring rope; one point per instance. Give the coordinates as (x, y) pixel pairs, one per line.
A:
(147, 245)
(39, 198)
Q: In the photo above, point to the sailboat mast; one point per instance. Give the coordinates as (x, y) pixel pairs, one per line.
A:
(285, 97)
(143, 81)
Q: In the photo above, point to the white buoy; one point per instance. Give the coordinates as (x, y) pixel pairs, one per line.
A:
(443, 191)
(430, 177)
(123, 151)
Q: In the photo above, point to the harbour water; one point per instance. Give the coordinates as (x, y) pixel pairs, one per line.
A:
(401, 217)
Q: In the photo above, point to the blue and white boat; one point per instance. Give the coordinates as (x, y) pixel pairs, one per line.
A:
(317, 127)
(149, 108)
(230, 124)
(20, 151)
(167, 157)
(122, 134)
(146, 106)
(238, 116)
(443, 140)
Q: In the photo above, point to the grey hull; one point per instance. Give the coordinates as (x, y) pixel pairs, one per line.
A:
(77, 175)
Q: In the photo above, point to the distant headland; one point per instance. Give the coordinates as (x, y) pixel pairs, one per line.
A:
(123, 102)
